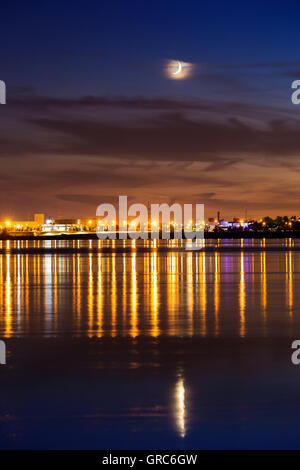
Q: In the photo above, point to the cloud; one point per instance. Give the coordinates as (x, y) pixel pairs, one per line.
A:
(88, 198)
(173, 137)
(44, 102)
(175, 130)
(72, 150)
(254, 65)
(30, 103)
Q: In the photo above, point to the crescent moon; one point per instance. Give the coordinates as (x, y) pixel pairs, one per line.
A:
(179, 68)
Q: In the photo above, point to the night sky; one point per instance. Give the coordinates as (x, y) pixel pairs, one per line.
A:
(91, 115)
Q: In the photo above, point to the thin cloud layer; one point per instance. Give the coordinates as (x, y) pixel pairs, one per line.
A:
(161, 148)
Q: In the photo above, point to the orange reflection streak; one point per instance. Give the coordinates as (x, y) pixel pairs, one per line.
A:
(99, 298)
(263, 270)
(190, 292)
(217, 292)
(289, 282)
(55, 292)
(8, 300)
(38, 297)
(15, 268)
(133, 318)
(18, 283)
(202, 293)
(74, 272)
(154, 296)
(147, 285)
(113, 295)
(34, 270)
(176, 290)
(23, 290)
(124, 307)
(26, 277)
(171, 286)
(78, 290)
(242, 297)
(90, 295)
(48, 301)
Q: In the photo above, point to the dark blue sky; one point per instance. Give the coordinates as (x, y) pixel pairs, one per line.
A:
(118, 47)
(229, 133)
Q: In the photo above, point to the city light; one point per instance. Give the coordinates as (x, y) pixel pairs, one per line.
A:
(40, 226)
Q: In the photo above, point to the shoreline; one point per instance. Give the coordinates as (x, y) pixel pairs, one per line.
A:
(208, 236)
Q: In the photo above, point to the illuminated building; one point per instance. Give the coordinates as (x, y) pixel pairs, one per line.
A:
(27, 225)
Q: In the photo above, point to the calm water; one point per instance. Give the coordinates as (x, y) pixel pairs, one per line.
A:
(147, 345)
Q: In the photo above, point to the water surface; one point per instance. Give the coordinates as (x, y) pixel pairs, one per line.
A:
(148, 345)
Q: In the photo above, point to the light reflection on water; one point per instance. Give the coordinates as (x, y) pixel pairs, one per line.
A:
(170, 328)
(180, 406)
(174, 293)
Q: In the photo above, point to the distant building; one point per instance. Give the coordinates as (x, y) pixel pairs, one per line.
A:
(60, 225)
(23, 225)
(225, 225)
(39, 219)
